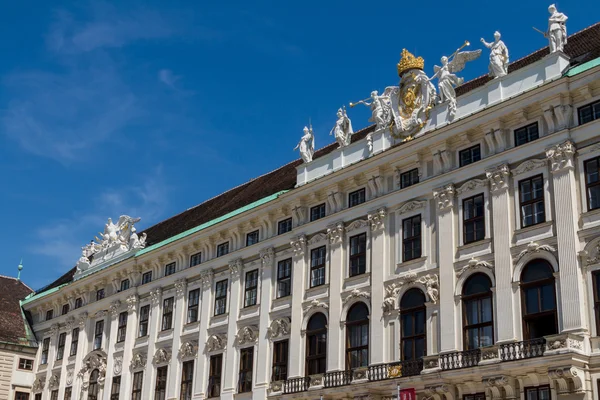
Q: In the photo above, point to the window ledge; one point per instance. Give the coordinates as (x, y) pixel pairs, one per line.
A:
(358, 277)
(410, 263)
(317, 289)
(474, 244)
(534, 227)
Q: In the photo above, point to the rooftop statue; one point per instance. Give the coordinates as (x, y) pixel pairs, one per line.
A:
(557, 29)
(498, 56)
(381, 108)
(307, 145)
(342, 131)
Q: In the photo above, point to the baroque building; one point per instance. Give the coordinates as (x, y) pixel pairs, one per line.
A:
(452, 248)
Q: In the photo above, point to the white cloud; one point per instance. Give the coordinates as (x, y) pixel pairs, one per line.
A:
(166, 76)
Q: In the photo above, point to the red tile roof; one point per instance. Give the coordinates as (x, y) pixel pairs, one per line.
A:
(12, 323)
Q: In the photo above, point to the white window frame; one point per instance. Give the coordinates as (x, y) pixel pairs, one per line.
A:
(322, 241)
(542, 130)
(400, 213)
(362, 226)
(465, 192)
(548, 210)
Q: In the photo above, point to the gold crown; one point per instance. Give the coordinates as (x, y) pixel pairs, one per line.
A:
(408, 61)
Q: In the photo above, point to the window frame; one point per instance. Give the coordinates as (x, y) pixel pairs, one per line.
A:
(220, 252)
(592, 185)
(49, 315)
(160, 384)
(412, 239)
(319, 356)
(473, 220)
(252, 238)
(137, 385)
(170, 268)
(251, 288)
(98, 334)
(280, 360)
(357, 257)
(350, 326)
(78, 303)
(125, 285)
(469, 150)
(361, 197)
(27, 361)
(100, 294)
(318, 267)
(478, 297)
(523, 286)
(196, 259)
(245, 385)
(116, 382)
(45, 351)
(187, 380)
(68, 393)
(144, 320)
(54, 394)
(526, 389)
(65, 309)
(193, 305)
(287, 225)
(533, 201)
(93, 388)
(215, 373)
(317, 212)
(595, 288)
(223, 296)
(526, 127)
(74, 342)
(146, 277)
(122, 327)
(167, 314)
(409, 174)
(60, 346)
(284, 280)
(412, 312)
(591, 105)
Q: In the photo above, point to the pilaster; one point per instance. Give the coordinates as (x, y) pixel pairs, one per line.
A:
(132, 303)
(153, 329)
(231, 355)
(179, 316)
(379, 257)
(299, 271)
(335, 234)
(264, 358)
(201, 371)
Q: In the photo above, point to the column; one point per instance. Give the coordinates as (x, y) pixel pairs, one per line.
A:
(54, 332)
(132, 332)
(153, 328)
(444, 197)
(263, 359)
(565, 200)
(379, 258)
(299, 273)
(179, 314)
(69, 325)
(82, 350)
(502, 234)
(200, 379)
(337, 269)
(110, 345)
(230, 357)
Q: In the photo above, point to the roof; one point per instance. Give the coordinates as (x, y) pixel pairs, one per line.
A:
(12, 324)
(581, 47)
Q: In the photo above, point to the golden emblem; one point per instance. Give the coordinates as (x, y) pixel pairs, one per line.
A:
(395, 371)
(409, 61)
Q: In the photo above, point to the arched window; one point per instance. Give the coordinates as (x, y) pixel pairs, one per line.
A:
(316, 345)
(93, 385)
(538, 299)
(478, 315)
(412, 318)
(357, 336)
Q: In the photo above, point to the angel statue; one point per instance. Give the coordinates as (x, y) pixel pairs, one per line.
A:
(307, 145)
(447, 80)
(342, 131)
(557, 29)
(498, 56)
(381, 108)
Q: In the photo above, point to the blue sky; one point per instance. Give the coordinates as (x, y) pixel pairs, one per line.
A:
(148, 108)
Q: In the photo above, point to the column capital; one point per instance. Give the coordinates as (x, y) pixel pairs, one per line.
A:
(445, 197)
(561, 156)
(498, 177)
(156, 295)
(235, 267)
(377, 219)
(131, 302)
(267, 256)
(298, 245)
(180, 286)
(207, 277)
(83, 317)
(335, 232)
(115, 307)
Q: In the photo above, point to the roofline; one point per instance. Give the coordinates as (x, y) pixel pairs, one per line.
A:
(18, 280)
(583, 67)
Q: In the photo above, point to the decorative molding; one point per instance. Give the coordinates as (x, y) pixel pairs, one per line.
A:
(94, 360)
(54, 328)
(115, 307)
(474, 264)
(216, 342)
(561, 156)
(279, 328)
(445, 197)
(138, 361)
(207, 277)
(357, 224)
(180, 286)
(357, 294)
(377, 219)
(118, 365)
(131, 301)
(500, 387)
(70, 376)
(247, 335)
(70, 323)
(430, 281)
(498, 177)
(161, 356)
(54, 381)
(83, 317)
(188, 349)
(315, 304)
(335, 232)
(410, 206)
(235, 267)
(317, 238)
(38, 385)
(156, 295)
(533, 247)
(267, 256)
(471, 185)
(568, 380)
(529, 165)
(299, 245)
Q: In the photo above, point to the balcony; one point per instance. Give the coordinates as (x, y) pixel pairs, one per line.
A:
(337, 378)
(460, 359)
(522, 350)
(296, 385)
(395, 370)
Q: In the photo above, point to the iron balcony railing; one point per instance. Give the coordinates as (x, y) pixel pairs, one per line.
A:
(296, 385)
(521, 350)
(460, 359)
(395, 370)
(337, 378)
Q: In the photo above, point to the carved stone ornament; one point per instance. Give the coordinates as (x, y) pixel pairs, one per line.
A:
(70, 375)
(70, 323)
(115, 307)
(316, 380)
(279, 328)
(437, 391)
(188, 349)
(216, 342)
(357, 294)
(247, 335)
(94, 360)
(138, 361)
(38, 385)
(131, 302)
(317, 238)
(498, 177)
(471, 185)
(298, 245)
(315, 304)
(54, 381)
(276, 386)
(235, 267)
(161, 356)
(83, 317)
(180, 286)
(444, 197)
(377, 219)
(335, 232)
(529, 165)
(410, 206)
(54, 328)
(474, 264)
(430, 281)
(533, 247)
(101, 314)
(118, 365)
(561, 156)
(207, 277)
(357, 224)
(500, 387)
(568, 379)
(267, 256)
(156, 295)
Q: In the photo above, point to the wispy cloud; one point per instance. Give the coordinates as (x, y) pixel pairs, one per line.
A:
(167, 77)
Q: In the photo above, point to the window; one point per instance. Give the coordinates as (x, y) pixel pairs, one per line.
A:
(478, 319)
(222, 249)
(99, 294)
(74, 341)
(98, 334)
(596, 282)
(45, 348)
(115, 388)
(93, 386)
(589, 112)
(592, 183)
(474, 396)
(214, 375)
(317, 266)
(317, 212)
(122, 331)
(537, 393)
(251, 288)
(160, 389)
(146, 277)
(193, 300)
(144, 316)
(195, 259)
(412, 320)
(284, 278)
(78, 302)
(170, 269)
(358, 254)
(411, 238)
(531, 198)
(60, 349)
(357, 197)
(136, 391)
(220, 297)
(280, 360)
(187, 379)
(54, 395)
(409, 178)
(124, 285)
(22, 396)
(49, 315)
(357, 336)
(470, 155)
(167, 316)
(245, 377)
(26, 364)
(473, 219)
(284, 226)
(38, 396)
(65, 309)
(316, 345)
(526, 134)
(252, 238)
(68, 391)
(538, 299)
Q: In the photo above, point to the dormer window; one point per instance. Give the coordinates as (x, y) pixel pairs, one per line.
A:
(284, 226)
(124, 284)
(252, 238)
(195, 259)
(409, 178)
(170, 269)
(357, 197)
(222, 249)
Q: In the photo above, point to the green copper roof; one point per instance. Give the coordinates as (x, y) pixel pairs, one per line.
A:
(583, 67)
(34, 296)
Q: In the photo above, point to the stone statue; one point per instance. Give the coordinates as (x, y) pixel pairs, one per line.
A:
(381, 108)
(307, 145)
(84, 262)
(136, 242)
(342, 131)
(498, 56)
(557, 30)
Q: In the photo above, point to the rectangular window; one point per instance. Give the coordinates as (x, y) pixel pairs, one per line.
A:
(124, 285)
(474, 396)
(144, 316)
(68, 391)
(411, 238)
(409, 178)
(136, 390)
(589, 112)
(98, 334)
(222, 249)
(21, 396)
(60, 349)
(358, 254)
(115, 388)
(251, 288)
(99, 294)
(214, 375)
(537, 393)
(317, 212)
(146, 277)
(526, 134)
(280, 361)
(187, 379)
(122, 331)
(74, 341)
(38, 396)
(49, 315)
(65, 309)
(195, 259)
(220, 297)
(357, 197)
(531, 198)
(193, 300)
(160, 389)
(54, 395)
(470, 155)
(284, 278)
(245, 377)
(473, 219)
(252, 238)
(167, 316)
(78, 302)
(317, 266)
(170, 269)
(596, 282)
(26, 364)
(45, 348)
(592, 183)
(284, 226)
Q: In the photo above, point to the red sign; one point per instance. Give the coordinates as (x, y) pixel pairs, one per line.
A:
(408, 394)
